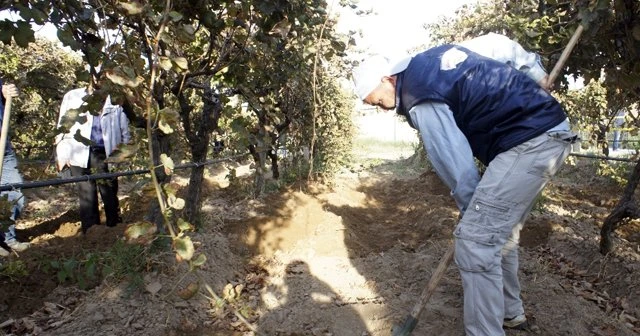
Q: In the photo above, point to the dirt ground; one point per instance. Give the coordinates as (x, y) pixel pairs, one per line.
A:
(344, 260)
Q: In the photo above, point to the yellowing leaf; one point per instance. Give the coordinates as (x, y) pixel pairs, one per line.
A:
(189, 291)
(141, 232)
(199, 260)
(165, 63)
(164, 126)
(167, 162)
(183, 225)
(183, 247)
(153, 287)
(121, 79)
(122, 153)
(117, 78)
(131, 7)
(175, 202)
(181, 62)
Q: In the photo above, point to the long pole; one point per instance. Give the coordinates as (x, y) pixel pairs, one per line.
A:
(5, 131)
(565, 54)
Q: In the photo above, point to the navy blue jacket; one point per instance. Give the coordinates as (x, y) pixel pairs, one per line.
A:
(495, 106)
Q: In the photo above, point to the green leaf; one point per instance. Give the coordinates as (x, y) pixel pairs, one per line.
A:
(122, 153)
(91, 268)
(62, 276)
(65, 35)
(24, 34)
(79, 138)
(69, 118)
(175, 16)
(184, 247)
(6, 31)
(199, 260)
(183, 225)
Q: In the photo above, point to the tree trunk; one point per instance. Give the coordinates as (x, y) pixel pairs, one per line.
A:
(198, 132)
(627, 208)
(601, 139)
(260, 158)
(193, 199)
(273, 155)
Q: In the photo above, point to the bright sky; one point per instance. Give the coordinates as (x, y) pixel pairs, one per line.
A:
(396, 26)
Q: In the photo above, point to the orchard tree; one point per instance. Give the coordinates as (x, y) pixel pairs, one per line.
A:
(43, 72)
(171, 61)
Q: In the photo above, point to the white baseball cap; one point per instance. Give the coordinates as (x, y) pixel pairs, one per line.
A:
(368, 74)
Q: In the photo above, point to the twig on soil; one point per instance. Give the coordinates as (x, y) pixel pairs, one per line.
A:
(235, 312)
(7, 323)
(603, 267)
(175, 285)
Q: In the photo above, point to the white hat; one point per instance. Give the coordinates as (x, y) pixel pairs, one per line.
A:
(368, 74)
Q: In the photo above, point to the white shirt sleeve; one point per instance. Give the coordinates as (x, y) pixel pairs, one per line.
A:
(124, 127)
(505, 50)
(448, 150)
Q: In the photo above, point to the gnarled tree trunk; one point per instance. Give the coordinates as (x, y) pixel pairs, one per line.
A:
(626, 209)
(198, 129)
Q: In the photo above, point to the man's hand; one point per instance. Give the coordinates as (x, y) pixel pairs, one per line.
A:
(9, 91)
(544, 83)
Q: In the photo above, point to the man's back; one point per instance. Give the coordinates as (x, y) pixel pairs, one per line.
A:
(496, 106)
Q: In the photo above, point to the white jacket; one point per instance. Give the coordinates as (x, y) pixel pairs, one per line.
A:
(114, 123)
(505, 50)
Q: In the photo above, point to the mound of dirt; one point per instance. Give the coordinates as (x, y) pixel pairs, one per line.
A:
(350, 259)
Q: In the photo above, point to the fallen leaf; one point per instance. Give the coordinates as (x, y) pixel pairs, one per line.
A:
(153, 287)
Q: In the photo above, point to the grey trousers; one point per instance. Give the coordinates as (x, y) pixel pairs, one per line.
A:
(486, 244)
(11, 175)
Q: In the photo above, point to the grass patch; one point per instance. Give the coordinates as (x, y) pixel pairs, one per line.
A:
(374, 145)
(122, 262)
(14, 270)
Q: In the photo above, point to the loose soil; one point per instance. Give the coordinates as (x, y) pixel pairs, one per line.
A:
(348, 259)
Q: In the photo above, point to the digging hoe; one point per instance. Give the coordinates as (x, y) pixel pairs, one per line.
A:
(412, 319)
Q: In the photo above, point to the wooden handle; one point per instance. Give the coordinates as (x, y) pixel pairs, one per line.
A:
(433, 282)
(565, 54)
(5, 130)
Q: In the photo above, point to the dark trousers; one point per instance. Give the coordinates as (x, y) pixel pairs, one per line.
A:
(88, 192)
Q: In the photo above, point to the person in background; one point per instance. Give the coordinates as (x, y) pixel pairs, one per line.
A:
(467, 105)
(618, 122)
(11, 175)
(106, 129)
